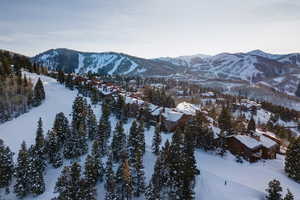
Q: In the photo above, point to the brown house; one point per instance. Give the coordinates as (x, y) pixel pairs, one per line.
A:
(252, 148)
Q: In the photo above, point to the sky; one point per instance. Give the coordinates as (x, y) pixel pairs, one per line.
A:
(150, 28)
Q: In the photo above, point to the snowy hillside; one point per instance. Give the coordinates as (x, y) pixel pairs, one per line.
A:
(243, 181)
(103, 63)
(252, 66)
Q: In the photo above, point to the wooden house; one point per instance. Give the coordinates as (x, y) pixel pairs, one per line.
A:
(253, 148)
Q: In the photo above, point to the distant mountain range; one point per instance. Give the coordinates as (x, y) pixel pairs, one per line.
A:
(105, 63)
(252, 66)
(275, 71)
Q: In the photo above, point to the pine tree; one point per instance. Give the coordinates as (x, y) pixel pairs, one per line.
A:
(61, 127)
(79, 113)
(37, 162)
(133, 140)
(86, 191)
(156, 140)
(104, 127)
(21, 188)
(39, 149)
(39, 93)
(141, 137)
(289, 195)
(53, 149)
(75, 145)
(94, 170)
(190, 170)
(6, 165)
(292, 160)
(109, 183)
(138, 175)
(123, 181)
(274, 190)
(36, 182)
(118, 108)
(91, 123)
(68, 184)
(224, 121)
(159, 176)
(119, 142)
(251, 125)
(176, 163)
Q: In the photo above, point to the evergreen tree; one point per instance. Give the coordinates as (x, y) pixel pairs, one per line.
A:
(39, 149)
(274, 190)
(176, 164)
(68, 184)
(21, 188)
(292, 160)
(86, 191)
(39, 93)
(109, 176)
(36, 181)
(61, 127)
(79, 113)
(138, 175)
(104, 127)
(133, 140)
(53, 149)
(224, 121)
(37, 162)
(141, 137)
(6, 165)
(119, 142)
(123, 181)
(94, 170)
(190, 169)
(91, 123)
(289, 195)
(156, 140)
(118, 108)
(251, 125)
(76, 145)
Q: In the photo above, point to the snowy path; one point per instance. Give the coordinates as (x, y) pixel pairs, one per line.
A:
(58, 99)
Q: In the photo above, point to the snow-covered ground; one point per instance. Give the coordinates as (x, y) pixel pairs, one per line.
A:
(244, 181)
(58, 99)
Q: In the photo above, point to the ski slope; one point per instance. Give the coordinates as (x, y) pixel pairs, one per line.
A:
(58, 99)
(244, 181)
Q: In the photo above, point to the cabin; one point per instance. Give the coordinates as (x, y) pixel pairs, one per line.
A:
(253, 147)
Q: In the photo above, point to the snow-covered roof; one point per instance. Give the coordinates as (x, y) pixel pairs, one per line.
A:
(208, 94)
(132, 100)
(250, 142)
(267, 142)
(248, 103)
(187, 108)
(171, 115)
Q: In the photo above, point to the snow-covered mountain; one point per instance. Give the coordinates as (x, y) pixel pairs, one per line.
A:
(252, 66)
(186, 61)
(106, 63)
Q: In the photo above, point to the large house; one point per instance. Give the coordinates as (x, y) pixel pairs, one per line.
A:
(253, 147)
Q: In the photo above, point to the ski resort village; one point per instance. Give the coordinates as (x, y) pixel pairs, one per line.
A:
(73, 136)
